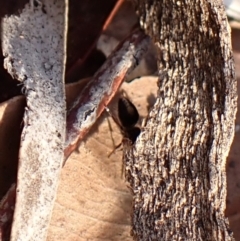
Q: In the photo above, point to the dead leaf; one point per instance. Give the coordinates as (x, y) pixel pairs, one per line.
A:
(11, 114)
(93, 200)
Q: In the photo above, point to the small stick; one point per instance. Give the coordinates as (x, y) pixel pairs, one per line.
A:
(105, 83)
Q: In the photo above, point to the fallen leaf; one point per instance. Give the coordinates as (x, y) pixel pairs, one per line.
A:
(93, 201)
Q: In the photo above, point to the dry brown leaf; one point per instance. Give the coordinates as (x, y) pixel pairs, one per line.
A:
(93, 201)
(11, 114)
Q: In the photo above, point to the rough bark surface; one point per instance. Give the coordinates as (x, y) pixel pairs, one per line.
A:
(177, 168)
(34, 46)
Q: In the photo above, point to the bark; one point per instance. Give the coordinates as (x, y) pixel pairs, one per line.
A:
(176, 169)
(103, 86)
(33, 44)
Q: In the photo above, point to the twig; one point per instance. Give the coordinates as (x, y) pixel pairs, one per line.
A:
(105, 83)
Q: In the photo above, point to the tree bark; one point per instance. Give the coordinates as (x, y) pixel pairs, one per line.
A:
(176, 169)
(34, 48)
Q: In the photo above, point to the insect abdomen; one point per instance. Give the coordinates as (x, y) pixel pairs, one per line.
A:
(127, 113)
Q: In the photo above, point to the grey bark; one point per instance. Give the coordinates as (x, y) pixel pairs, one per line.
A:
(33, 42)
(176, 170)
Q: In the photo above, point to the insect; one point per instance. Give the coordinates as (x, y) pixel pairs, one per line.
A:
(127, 119)
(128, 116)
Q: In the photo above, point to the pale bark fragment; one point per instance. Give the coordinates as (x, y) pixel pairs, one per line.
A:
(34, 46)
(177, 168)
